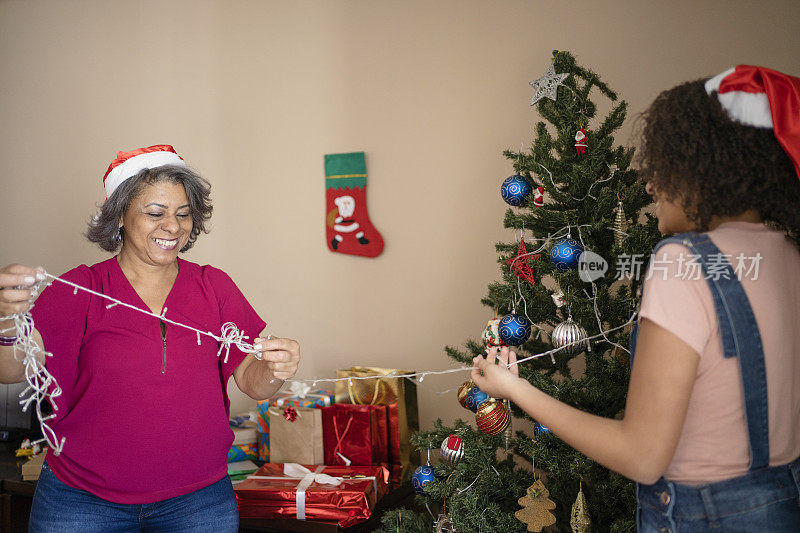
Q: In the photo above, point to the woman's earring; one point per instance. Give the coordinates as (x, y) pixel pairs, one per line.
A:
(118, 236)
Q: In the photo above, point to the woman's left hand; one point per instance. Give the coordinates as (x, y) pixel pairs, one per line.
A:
(282, 355)
(496, 375)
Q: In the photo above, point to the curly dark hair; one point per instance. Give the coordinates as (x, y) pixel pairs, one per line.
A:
(104, 227)
(694, 154)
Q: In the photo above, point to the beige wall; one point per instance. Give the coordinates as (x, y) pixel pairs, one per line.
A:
(254, 93)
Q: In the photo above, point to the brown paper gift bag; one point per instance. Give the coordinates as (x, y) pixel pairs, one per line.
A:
(391, 391)
(296, 442)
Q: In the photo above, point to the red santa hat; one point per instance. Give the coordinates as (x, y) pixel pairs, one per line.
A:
(128, 164)
(763, 98)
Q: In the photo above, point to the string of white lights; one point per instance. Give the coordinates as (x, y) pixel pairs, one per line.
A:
(230, 334)
(412, 375)
(42, 385)
(593, 298)
(612, 168)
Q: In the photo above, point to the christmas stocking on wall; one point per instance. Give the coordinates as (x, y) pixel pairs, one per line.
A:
(348, 229)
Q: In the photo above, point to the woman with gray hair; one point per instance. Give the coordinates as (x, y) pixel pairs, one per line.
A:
(129, 463)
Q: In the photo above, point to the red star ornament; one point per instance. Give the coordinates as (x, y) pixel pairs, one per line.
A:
(519, 263)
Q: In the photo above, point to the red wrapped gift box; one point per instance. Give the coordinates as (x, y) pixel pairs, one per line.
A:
(341, 494)
(355, 434)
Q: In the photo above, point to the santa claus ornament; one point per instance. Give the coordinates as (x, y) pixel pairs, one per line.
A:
(348, 227)
(538, 197)
(581, 141)
(491, 334)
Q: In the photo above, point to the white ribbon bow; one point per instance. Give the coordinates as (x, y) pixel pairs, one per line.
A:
(300, 472)
(299, 389)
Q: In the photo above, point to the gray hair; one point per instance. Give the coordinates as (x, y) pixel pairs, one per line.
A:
(104, 228)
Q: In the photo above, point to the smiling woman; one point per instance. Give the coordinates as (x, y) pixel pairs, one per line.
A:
(116, 363)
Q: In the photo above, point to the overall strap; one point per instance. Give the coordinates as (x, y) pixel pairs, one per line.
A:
(740, 338)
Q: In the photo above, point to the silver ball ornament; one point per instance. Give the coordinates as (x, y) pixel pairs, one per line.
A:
(452, 449)
(570, 337)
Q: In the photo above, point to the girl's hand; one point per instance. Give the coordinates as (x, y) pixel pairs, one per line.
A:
(282, 356)
(16, 288)
(492, 375)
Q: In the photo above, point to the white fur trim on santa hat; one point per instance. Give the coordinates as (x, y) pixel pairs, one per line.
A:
(136, 164)
(750, 109)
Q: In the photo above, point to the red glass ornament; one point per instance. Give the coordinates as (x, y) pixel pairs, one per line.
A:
(492, 417)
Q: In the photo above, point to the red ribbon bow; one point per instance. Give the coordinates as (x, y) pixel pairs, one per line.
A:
(290, 414)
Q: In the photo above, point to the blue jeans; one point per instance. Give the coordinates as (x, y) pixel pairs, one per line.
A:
(59, 508)
(761, 500)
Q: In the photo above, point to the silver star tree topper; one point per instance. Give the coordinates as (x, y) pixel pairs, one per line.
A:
(547, 85)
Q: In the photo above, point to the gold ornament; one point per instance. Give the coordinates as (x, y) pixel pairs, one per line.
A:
(462, 393)
(619, 225)
(509, 432)
(580, 521)
(536, 508)
(443, 525)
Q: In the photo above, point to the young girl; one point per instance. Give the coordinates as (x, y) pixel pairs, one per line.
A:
(711, 430)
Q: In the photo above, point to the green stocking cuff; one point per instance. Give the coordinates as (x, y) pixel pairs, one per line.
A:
(345, 170)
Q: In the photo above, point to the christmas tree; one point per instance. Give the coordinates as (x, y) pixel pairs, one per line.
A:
(573, 191)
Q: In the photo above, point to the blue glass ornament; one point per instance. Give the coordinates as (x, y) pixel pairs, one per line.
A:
(515, 190)
(539, 429)
(565, 254)
(475, 397)
(422, 475)
(514, 329)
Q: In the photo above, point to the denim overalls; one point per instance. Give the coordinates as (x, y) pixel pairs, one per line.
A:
(764, 499)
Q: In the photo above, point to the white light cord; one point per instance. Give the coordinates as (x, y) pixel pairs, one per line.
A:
(42, 385)
(230, 334)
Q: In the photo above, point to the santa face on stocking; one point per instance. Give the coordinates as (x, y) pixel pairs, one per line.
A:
(348, 227)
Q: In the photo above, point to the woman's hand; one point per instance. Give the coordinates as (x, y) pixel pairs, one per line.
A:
(493, 375)
(16, 288)
(282, 355)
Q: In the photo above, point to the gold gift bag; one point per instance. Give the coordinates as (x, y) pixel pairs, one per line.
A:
(384, 389)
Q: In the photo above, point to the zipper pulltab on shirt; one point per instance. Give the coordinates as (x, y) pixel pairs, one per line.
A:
(164, 342)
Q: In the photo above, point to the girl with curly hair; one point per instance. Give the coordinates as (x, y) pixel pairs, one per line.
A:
(711, 430)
